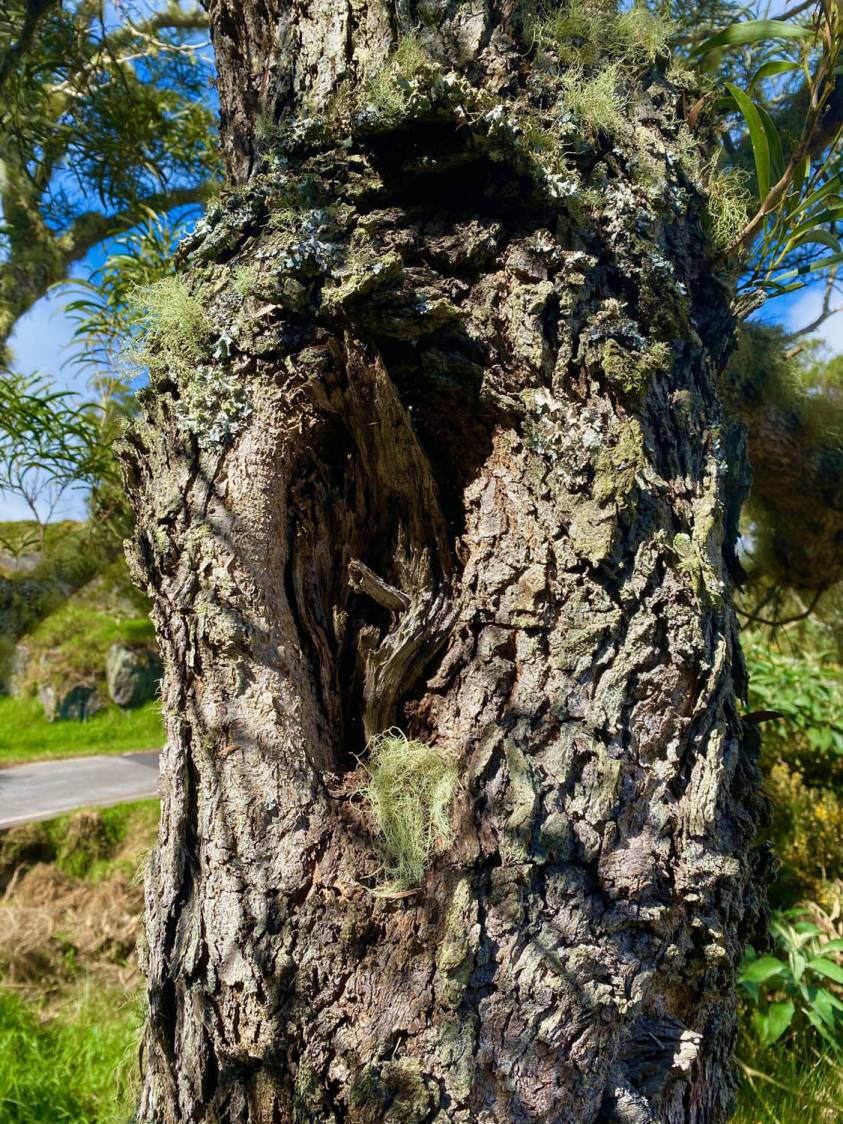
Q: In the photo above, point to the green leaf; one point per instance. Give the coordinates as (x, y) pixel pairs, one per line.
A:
(758, 137)
(819, 236)
(772, 1023)
(832, 946)
(756, 971)
(771, 69)
(752, 31)
(774, 143)
(826, 968)
(804, 270)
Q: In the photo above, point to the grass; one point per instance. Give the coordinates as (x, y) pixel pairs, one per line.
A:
(75, 639)
(70, 1008)
(90, 844)
(26, 735)
(789, 1086)
(75, 1068)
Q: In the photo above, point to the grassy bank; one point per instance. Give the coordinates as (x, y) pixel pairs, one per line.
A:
(26, 735)
(70, 1013)
(790, 1086)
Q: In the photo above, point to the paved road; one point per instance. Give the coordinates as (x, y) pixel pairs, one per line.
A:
(47, 788)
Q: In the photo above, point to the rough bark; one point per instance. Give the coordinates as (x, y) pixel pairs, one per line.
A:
(452, 460)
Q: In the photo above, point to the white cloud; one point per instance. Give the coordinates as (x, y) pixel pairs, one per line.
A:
(808, 307)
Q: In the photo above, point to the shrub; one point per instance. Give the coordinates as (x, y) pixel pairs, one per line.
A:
(800, 987)
(809, 696)
(807, 830)
(409, 786)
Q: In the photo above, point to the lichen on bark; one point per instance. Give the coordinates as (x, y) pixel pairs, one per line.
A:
(480, 411)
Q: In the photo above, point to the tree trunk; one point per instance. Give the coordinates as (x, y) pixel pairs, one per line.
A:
(432, 441)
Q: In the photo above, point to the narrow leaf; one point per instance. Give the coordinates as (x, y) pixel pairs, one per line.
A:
(758, 137)
(771, 69)
(761, 969)
(752, 31)
(827, 968)
(774, 143)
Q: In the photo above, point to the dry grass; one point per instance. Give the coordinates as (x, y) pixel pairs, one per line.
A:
(79, 915)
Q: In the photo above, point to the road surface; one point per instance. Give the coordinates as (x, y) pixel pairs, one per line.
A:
(47, 788)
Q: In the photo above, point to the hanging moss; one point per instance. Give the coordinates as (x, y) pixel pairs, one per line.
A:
(409, 787)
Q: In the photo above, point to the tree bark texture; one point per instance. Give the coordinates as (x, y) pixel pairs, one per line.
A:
(452, 460)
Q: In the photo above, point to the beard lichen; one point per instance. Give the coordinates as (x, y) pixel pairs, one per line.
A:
(177, 344)
(409, 787)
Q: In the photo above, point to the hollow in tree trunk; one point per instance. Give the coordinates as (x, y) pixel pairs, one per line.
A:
(432, 442)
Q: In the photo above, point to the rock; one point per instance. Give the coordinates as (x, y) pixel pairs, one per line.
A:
(132, 674)
(76, 702)
(18, 668)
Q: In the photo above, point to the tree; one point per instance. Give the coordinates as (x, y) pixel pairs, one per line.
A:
(103, 115)
(50, 445)
(436, 501)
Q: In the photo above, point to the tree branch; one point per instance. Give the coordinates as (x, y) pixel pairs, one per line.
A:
(92, 227)
(34, 13)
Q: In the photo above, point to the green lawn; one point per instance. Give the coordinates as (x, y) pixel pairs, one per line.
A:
(78, 1067)
(26, 735)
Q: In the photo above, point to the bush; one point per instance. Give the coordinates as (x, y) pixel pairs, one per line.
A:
(807, 831)
(797, 991)
(809, 696)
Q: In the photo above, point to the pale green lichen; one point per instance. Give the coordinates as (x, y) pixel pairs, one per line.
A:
(728, 204)
(595, 101)
(177, 341)
(409, 787)
(617, 467)
(455, 959)
(633, 372)
(519, 825)
(700, 552)
(726, 190)
(245, 279)
(174, 330)
(586, 32)
(387, 90)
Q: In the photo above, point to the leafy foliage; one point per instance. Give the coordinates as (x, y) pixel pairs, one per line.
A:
(807, 833)
(50, 442)
(808, 696)
(795, 156)
(802, 983)
(103, 114)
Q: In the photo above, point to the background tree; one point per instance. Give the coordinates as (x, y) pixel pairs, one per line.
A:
(104, 114)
